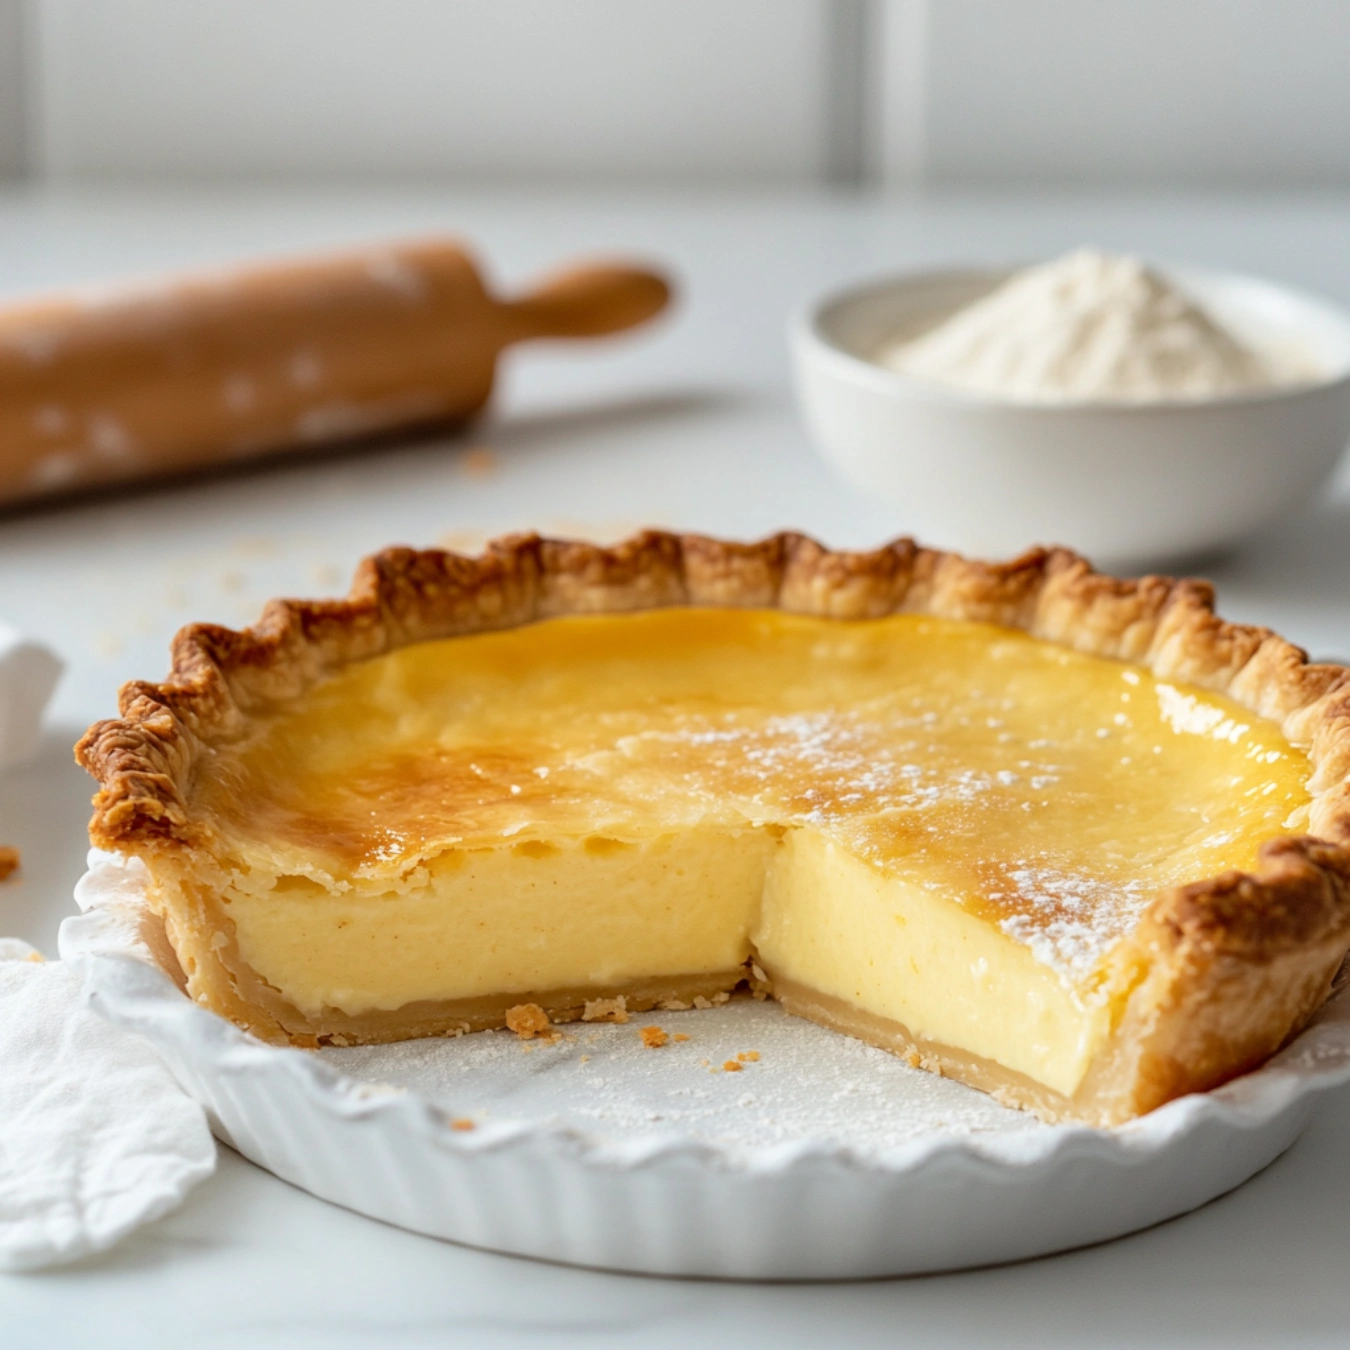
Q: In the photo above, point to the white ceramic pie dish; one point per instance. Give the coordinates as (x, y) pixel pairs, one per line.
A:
(1127, 483)
(800, 1169)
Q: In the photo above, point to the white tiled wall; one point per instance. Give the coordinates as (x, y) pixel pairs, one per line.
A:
(631, 89)
(906, 92)
(1203, 92)
(12, 121)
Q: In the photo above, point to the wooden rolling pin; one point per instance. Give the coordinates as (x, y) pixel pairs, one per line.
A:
(166, 376)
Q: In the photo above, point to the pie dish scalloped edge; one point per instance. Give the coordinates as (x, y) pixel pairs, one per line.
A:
(663, 1204)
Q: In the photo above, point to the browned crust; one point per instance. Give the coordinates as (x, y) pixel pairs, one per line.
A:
(1292, 915)
(145, 759)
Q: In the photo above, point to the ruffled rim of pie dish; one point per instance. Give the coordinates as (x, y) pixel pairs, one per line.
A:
(1291, 914)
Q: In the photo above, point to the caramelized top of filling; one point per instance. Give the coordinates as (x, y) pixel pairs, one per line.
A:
(1055, 792)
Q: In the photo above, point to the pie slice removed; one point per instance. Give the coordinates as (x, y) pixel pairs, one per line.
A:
(1071, 840)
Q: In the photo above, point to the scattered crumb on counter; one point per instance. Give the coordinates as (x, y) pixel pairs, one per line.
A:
(527, 1020)
(9, 861)
(653, 1037)
(749, 1055)
(680, 1036)
(462, 1123)
(479, 461)
(732, 1066)
(605, 1010)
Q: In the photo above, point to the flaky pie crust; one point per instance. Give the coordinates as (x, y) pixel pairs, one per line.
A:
(1220, 972)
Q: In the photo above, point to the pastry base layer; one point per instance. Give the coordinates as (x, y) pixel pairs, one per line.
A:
(1006, 1085)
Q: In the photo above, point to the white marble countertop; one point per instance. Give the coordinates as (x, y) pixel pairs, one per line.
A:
(689, 425)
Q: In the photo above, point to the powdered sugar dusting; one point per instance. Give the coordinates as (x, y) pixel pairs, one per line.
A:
(820, 765)
(1069, 920)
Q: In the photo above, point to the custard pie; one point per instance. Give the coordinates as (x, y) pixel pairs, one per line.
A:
(1071, 840)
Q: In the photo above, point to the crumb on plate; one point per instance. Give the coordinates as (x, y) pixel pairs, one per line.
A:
(527, 1020)
(606, 1010)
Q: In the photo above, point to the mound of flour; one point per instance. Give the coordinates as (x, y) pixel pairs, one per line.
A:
(1090, 326)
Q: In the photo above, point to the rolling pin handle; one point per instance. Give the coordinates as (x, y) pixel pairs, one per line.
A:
(587, 301)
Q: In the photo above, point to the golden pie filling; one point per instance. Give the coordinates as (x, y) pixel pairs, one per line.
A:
(935, 834)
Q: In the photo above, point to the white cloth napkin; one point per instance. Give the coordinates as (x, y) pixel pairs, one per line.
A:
(96, 1137)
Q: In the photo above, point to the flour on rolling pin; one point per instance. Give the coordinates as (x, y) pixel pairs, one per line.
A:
(165, 376)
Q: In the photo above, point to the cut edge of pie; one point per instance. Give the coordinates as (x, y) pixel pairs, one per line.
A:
(1216, 976)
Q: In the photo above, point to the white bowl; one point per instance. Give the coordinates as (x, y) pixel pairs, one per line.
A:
(1126, 483)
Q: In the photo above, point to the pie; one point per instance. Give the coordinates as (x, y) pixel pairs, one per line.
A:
(1072, 840)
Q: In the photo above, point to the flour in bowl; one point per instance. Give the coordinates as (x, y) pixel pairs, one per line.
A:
(1092, 326)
